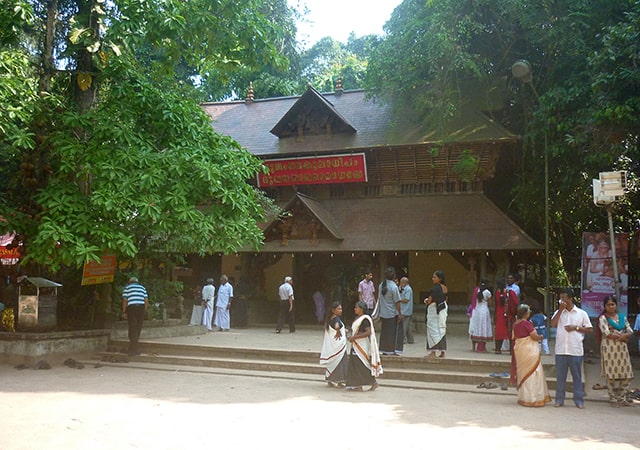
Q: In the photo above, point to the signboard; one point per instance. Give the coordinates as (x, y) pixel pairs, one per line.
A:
(347, 168)
(28, 311)
(99, 273)
(598, 274)
(8, 256)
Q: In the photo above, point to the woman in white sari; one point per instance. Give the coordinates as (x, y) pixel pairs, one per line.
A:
(364, 362)
(436, 318)
(334, 348)
(532, 385)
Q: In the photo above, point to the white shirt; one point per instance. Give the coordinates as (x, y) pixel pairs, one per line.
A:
(570, 342)
(285, 290)
(208, 292)
(225, 293)
(515, 288)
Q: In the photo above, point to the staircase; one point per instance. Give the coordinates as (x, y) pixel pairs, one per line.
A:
(399, 371)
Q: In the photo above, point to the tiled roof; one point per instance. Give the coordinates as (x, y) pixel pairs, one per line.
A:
(447, 222)
(250, 124)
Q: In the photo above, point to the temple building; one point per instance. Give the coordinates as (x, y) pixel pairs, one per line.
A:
(361, 188)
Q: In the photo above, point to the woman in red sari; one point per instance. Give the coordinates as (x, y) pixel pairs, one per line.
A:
(500, 319)
(531, 382)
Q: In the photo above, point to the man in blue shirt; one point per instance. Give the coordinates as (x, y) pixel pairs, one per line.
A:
(406, 308)
(135, 302)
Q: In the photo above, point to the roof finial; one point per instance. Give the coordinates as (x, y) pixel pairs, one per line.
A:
(249, 98)
(338, 89)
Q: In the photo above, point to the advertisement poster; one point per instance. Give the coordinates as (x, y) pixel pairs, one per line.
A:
(598, 271)
(99, 272)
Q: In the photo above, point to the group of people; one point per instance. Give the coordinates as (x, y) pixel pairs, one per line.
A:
(505, 303)
(352, 361)
(572, 323)
(394, 308)
(216, 308)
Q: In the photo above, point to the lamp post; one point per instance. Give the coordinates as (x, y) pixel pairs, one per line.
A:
(522, 71)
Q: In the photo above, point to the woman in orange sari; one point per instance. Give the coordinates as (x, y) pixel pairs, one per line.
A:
(532, 385)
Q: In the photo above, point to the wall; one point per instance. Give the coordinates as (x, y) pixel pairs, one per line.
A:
(422, 267)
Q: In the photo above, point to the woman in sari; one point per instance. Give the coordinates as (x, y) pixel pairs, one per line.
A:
(615, 362)
(334, 348)
(364, 361)
(437, 316)
(529, 373)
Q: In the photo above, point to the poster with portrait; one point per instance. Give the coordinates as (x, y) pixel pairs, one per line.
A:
(598, 271)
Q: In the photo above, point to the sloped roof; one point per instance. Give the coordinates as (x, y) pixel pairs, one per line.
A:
(250, 124)
(426, 223)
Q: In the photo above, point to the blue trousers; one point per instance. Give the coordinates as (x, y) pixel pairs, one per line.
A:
(564, 363)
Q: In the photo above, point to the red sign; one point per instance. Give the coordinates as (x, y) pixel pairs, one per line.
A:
(351, 168)
(9, 257)
(99, 273)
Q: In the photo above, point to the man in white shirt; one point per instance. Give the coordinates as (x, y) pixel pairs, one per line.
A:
(222, 319)
(572, 324)
(285, 292)
(512, 284)
(208, 296)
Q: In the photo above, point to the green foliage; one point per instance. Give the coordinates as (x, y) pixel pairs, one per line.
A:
(109, 149)
(467, 167)
(581, 107)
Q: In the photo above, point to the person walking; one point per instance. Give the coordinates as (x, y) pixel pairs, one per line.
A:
(406, 309)
(572, 324)
(285, 311)
(208, 296)
(436, 318)
(391, 337)
(222, 320)
(364, 360)
(135, 302)
(334, 348)
(615, 331)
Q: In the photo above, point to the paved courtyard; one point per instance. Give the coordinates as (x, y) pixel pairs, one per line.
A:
(128, 408)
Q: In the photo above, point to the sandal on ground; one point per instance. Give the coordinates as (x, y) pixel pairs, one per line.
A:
(598, 387)
(491, 386)
(481, 385)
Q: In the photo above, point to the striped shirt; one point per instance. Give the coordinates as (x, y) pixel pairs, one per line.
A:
(135, 294)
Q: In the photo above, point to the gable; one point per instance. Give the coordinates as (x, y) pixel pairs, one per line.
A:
(311, 115)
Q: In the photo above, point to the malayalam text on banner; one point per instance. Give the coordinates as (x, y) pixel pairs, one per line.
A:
(347, 168)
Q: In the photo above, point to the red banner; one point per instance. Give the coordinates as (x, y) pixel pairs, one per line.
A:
(348, 168)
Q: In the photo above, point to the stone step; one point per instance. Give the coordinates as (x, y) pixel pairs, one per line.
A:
(397, 368)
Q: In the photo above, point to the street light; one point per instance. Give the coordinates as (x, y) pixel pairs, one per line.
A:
(522, 71)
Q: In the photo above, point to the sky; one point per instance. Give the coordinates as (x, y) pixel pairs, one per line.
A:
(338, 18)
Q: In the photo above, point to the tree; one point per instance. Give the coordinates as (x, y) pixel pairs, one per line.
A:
(437, 54)
(114, 153)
